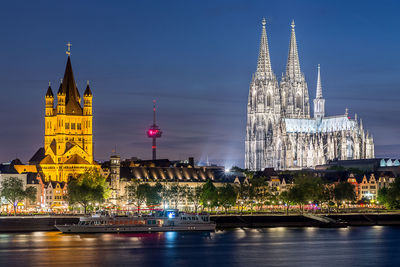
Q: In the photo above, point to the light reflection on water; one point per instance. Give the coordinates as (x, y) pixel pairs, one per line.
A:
(356, 246)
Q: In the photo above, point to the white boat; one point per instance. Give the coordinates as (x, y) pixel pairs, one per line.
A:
(158, 221)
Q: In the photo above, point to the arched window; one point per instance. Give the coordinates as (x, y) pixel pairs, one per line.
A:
(269, 100)
(298, 102)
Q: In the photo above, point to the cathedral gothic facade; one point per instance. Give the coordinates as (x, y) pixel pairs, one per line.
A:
(280, 132)
(68, 134)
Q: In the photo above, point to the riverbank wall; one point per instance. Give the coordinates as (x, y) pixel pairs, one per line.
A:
(46, 223)
(233, 221)
(34, 223)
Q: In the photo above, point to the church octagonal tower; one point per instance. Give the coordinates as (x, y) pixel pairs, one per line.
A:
(68, 138)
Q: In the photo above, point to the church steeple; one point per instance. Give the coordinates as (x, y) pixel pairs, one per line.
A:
(49, 92)
(293, 64)
(68, 87)
(68, 131)
(319, 102)
(319, 86)
(264, 69)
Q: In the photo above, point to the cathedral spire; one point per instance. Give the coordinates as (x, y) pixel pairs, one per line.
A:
(319, 86)
(264, 62)
(293, 64)
(319, 102)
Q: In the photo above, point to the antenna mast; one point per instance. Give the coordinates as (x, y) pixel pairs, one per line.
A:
(154, 132)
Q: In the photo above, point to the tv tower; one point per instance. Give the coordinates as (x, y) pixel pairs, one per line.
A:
(154, 131)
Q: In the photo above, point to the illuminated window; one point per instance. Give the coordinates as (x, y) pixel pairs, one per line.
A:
(67, 125)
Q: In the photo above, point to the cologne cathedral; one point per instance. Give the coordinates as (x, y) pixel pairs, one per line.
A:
(280, 131)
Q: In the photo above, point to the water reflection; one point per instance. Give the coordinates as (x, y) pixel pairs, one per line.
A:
(236, 247)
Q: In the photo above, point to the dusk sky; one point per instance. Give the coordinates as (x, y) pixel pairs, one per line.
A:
(196, 59)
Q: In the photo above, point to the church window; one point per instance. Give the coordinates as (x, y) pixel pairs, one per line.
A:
(298, 101)
(269, 100)
(73, 126)
(67, 125)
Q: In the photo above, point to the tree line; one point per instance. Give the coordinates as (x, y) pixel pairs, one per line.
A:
(251, 196)
(91, 187)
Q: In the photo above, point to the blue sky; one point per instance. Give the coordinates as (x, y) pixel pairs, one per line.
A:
(196, 59)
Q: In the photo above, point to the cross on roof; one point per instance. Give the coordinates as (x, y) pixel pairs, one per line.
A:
(69, 48)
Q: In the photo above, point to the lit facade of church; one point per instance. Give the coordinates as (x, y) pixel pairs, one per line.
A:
(68, 135)
(280, 131)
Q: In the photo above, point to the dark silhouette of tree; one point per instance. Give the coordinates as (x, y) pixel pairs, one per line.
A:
(89, 187)
(12, 189)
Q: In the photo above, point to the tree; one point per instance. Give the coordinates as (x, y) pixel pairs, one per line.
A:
(390, 196)
(183, 193)
(328, 196)
(343, 191)
(178, 193)
(194, 196)
(12, 189)
(237, 169)
(243, 195)
(136, 193)
(164, 192)
(89, 187)
(227, 196)
(286, 198)
(152, 195)
(209, 195)
(259, 191)
(306, 188)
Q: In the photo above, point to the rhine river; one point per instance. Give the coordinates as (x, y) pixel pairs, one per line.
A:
(353, 246)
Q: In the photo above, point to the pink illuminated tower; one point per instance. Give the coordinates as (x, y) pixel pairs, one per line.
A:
(154, 131)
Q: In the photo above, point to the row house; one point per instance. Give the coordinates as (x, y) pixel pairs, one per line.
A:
(368, 188)
(277, 185)
(54, 196)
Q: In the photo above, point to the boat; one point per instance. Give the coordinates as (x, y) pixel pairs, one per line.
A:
(157, 221)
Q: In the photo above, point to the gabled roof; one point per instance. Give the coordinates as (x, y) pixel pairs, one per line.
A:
(47, 160)
(75, 159)
(25, 168)
(38, 156)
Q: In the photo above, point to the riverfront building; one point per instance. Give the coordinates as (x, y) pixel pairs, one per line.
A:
(281, 132)
(68, 134)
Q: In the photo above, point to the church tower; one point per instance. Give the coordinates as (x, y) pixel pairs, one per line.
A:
(263, 110)
(294, 91)
(319, 102)
(68, 137)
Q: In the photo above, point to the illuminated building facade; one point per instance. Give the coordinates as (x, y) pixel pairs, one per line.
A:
(68, 138)
(280, 131)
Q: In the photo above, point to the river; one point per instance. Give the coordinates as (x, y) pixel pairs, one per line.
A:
(353, 246)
